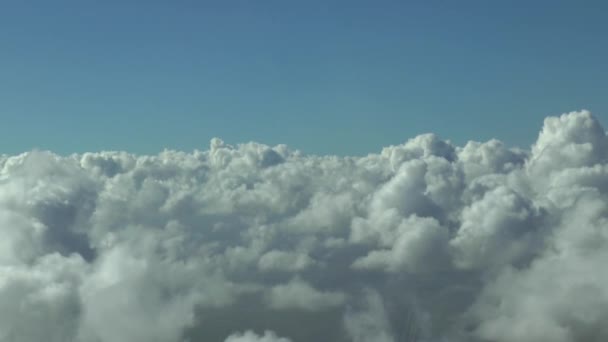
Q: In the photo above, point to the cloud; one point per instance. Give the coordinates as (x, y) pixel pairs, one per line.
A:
(562, 296)
(424, 241)
(498, 229)
(250, 336)
(284, 261)
(299, 295)
(418, 245)
(369, 323)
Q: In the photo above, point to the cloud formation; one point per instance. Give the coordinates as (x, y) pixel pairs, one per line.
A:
(250, 336)
(424, 241)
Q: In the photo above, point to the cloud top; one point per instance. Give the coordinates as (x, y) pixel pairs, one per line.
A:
(424, 241)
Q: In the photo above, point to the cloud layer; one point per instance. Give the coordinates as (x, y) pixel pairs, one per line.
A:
(424, 241)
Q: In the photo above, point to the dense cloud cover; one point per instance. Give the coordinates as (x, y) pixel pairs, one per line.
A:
(424, 241)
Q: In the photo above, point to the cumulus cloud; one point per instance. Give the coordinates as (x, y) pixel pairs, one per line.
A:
(250, 336)
(300, 295)
(424, 241)
(370, 322)
(284, 261)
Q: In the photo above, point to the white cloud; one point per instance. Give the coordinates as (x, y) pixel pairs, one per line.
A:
(369, 323)
(250, 336)
(300, 295)
(284, 261)
(481, 242)
(498, 229)
(418, 245)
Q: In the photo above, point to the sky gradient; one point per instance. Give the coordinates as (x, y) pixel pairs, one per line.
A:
(341, 77)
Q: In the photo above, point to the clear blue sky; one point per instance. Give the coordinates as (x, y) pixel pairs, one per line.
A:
(339, 77)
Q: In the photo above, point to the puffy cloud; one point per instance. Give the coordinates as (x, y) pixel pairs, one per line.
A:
(284, 261)
(370, 322)
(498, 229)
(40, 302)
(422, 241)
(250, 336)
(418, 245)
(562, 296)
(572, 140)
(300, 295)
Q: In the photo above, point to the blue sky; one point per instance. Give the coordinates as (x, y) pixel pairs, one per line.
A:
(325, 77)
